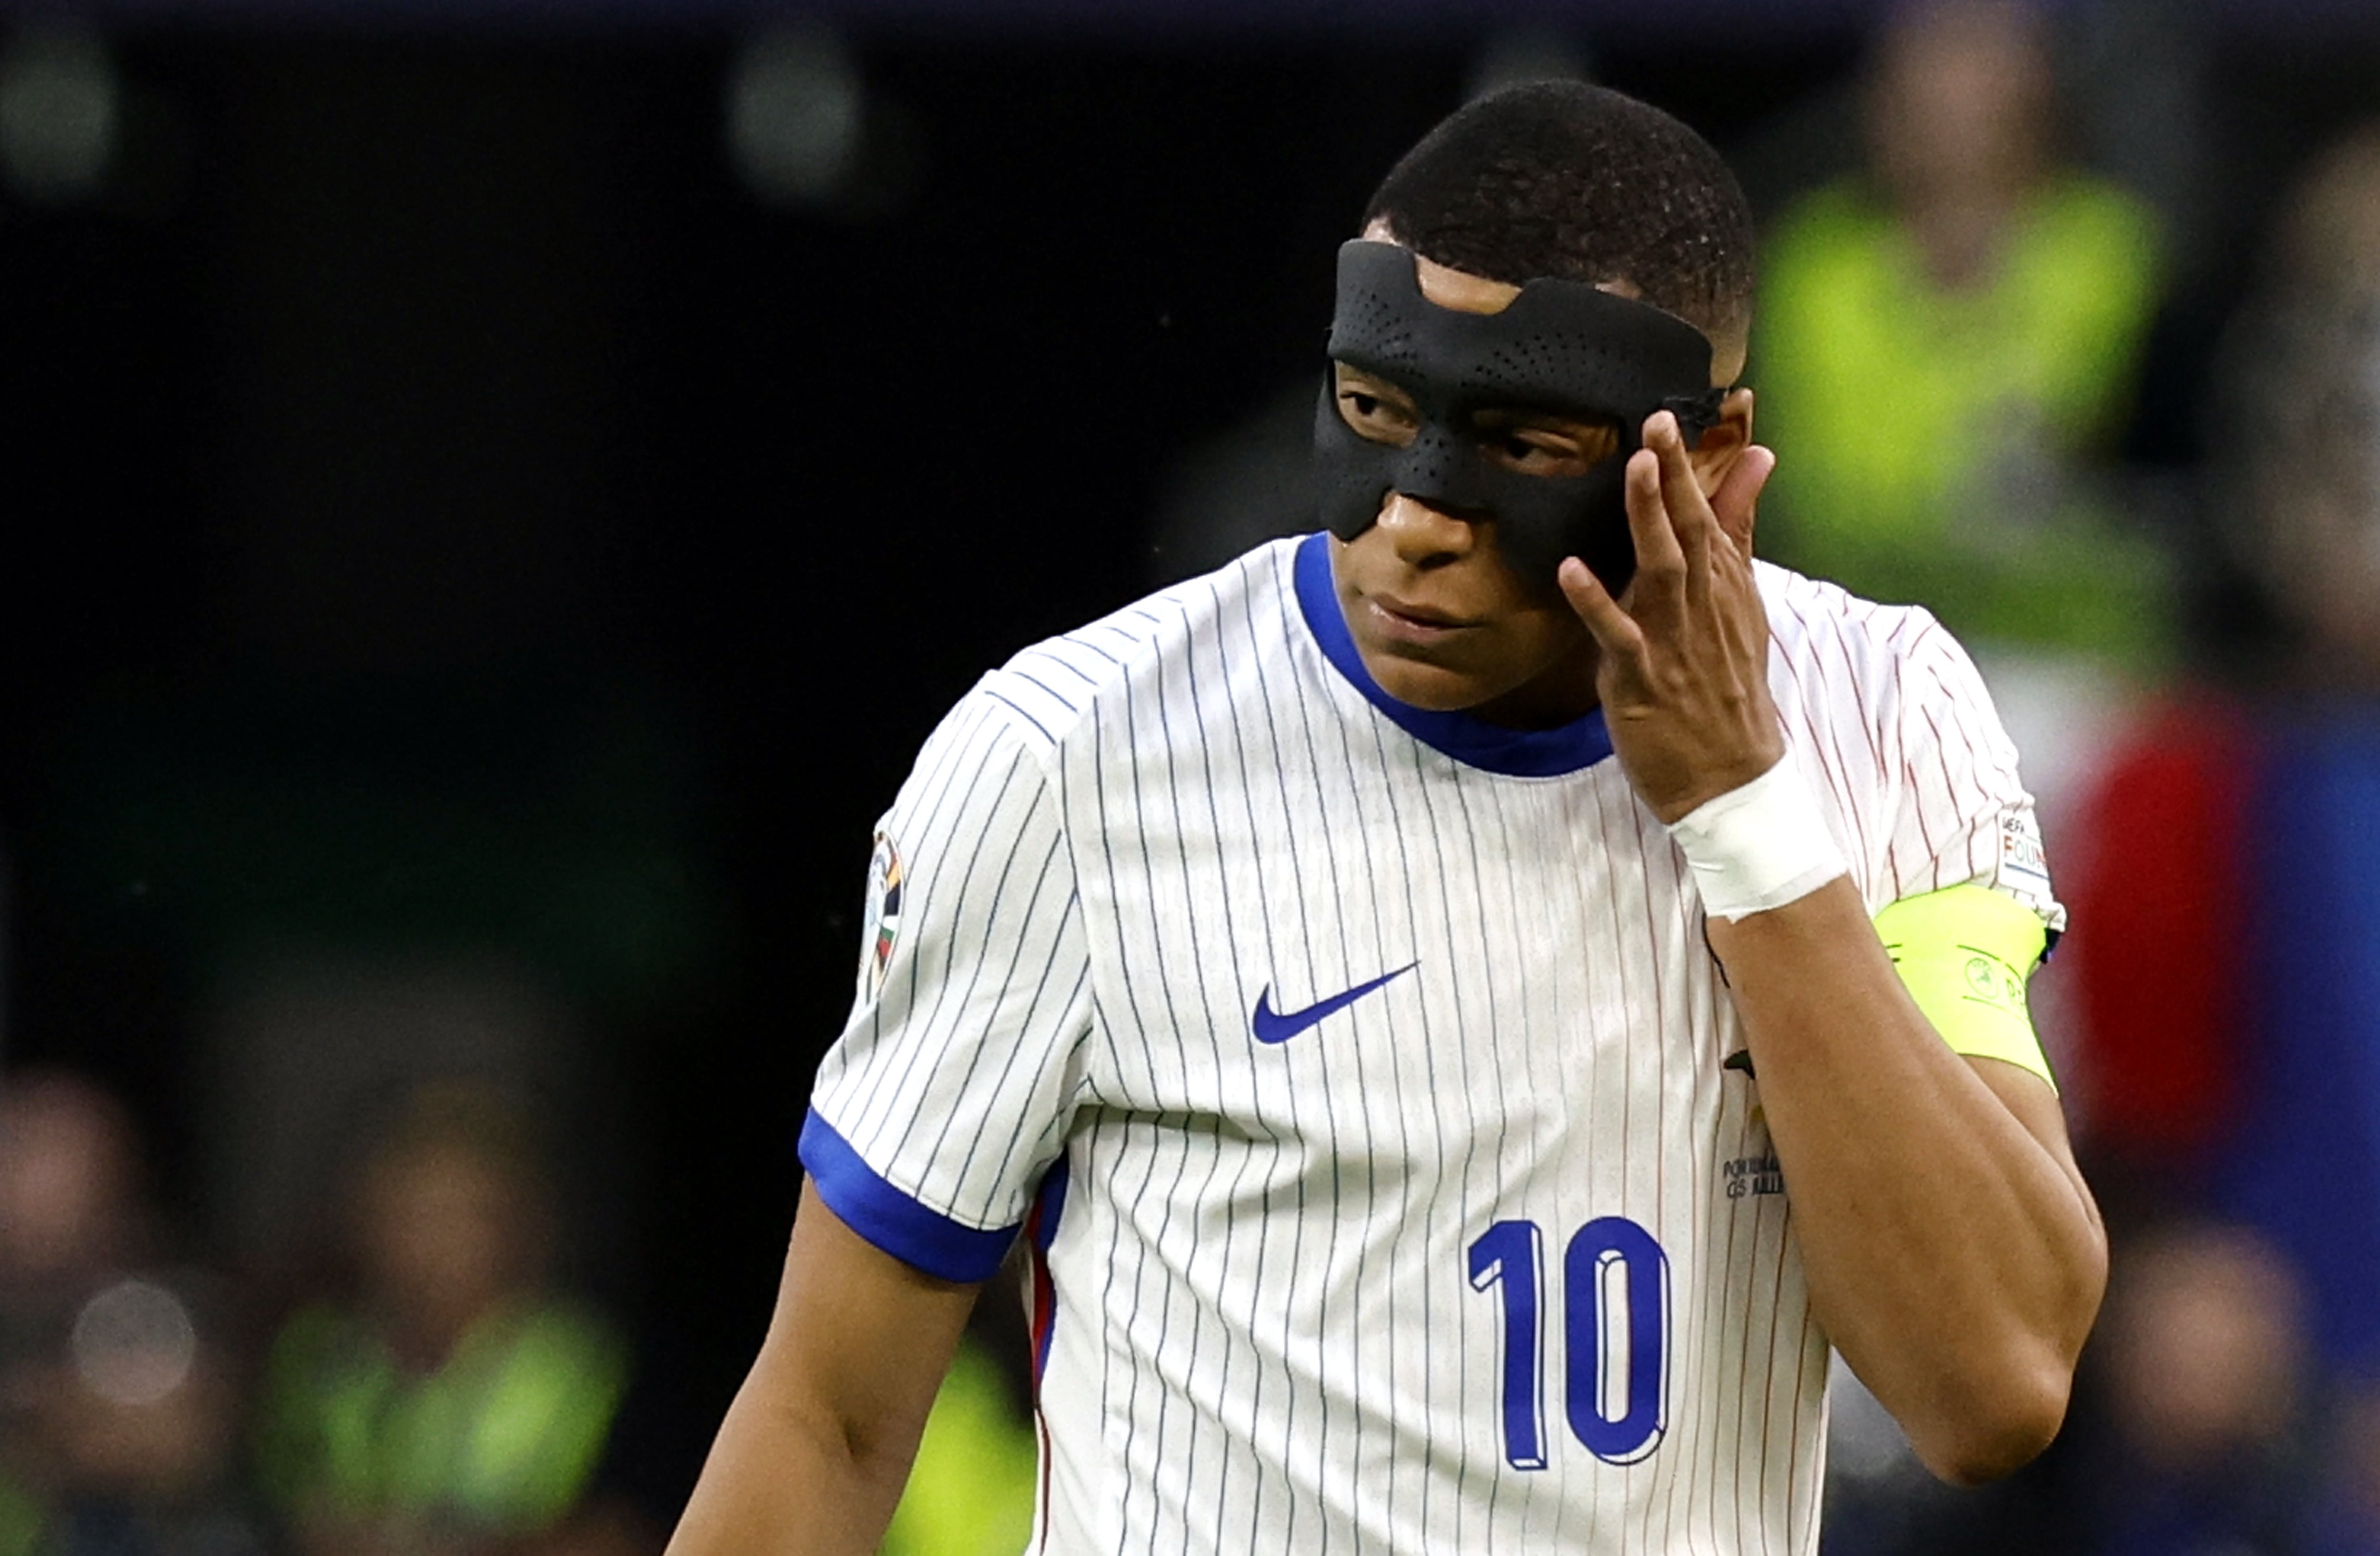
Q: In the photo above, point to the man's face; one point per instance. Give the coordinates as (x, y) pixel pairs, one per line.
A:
(1441, 621)
(1959, 100)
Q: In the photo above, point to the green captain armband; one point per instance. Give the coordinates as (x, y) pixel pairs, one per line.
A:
(1965, 954)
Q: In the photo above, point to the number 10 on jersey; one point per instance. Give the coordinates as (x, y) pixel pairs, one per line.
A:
(1615, 1306)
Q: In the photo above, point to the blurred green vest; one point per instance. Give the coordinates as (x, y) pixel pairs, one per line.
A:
(971, 1488)
(501, 1439)
(1934, 446)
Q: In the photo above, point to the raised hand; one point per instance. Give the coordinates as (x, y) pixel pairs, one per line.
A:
(1683, 669)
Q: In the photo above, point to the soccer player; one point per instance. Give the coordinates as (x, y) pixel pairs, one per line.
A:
(1467, 1005)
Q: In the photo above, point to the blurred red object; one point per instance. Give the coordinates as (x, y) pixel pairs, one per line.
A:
(2160, 909)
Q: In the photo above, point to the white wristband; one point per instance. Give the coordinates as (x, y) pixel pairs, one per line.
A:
(1759, 847)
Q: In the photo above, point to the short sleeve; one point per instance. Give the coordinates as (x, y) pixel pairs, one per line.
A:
(1961, 815)
(947, 1096)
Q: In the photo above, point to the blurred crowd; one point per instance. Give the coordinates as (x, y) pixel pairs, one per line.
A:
(422, 1389)
(1953, 350)
(417, 1386)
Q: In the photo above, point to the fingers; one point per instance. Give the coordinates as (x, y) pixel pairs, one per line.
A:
(1676, 530)
(1680, 491)
(1659, 551)
(1736, 503)
(1613, 630)
(1675, 505)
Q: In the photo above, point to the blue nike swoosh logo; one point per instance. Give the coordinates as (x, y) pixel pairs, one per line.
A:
(1279, 1027)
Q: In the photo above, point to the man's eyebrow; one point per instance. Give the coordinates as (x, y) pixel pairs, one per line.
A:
(1370, 375)
(1543, 414)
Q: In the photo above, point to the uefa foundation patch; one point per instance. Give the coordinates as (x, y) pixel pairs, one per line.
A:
(2024, 862)
(883, 915)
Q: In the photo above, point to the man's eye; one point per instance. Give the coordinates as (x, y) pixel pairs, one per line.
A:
(1375, 418)
(1541, 450)
(1534, 451)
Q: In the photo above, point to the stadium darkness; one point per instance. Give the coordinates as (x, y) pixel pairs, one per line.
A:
(781, 484)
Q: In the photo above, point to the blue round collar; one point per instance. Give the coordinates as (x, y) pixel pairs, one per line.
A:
(1516, 753)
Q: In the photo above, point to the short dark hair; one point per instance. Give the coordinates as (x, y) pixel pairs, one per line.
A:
(1565, 179)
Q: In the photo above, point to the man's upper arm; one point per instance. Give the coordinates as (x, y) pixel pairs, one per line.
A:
(2034, 1105)
(1966, 955)
(947, 1099)
(1959, 811)
(938, 1113)
(1960, 893)
(1972, 913)
(816, 1448)
(859, 1341)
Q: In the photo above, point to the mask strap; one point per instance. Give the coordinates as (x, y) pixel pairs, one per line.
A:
(1696, 414)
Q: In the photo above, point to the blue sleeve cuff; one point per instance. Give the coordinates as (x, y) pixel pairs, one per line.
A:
(912, 1232)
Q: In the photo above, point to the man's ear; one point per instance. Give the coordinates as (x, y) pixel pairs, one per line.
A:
(1723, 441)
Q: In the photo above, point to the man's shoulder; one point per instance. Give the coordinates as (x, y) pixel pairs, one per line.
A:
(1805, 614)
(1837, 648)
(1888, 705)
(1055, 687)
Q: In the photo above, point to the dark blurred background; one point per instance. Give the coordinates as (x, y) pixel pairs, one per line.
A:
(491, 501)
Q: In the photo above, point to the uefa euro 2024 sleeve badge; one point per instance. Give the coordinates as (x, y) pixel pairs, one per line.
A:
(883, 915)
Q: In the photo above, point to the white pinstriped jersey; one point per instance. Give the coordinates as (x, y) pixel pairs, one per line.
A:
(1360, 1074)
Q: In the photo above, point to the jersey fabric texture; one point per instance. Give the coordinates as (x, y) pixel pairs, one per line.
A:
(1360, 1076)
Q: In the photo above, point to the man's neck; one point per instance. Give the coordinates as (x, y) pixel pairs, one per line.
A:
(1561, 694)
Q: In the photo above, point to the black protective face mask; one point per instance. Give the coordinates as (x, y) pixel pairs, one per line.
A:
(1561, 347)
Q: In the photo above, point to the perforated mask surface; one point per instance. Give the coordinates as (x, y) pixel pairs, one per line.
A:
(1561, 347)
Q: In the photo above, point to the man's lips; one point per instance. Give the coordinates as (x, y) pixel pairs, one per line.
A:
(1427, 615)
(1411, 622)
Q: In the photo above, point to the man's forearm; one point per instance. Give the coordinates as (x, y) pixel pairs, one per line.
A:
(1952, 1254)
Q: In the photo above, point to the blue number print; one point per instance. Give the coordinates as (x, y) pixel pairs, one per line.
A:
(1511, 1253)
(1615, 1336)
(1608, 1251)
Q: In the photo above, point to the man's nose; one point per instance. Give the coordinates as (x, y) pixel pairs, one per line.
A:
(1422, 535)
